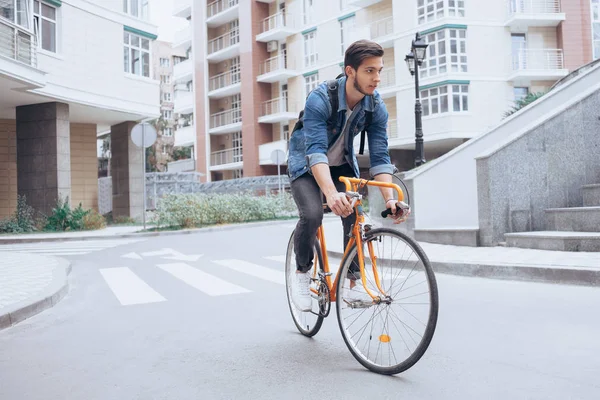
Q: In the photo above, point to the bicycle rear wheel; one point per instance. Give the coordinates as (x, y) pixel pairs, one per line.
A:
(307, 322)
(389, 336)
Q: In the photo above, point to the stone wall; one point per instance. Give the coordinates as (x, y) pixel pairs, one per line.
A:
(8, 167)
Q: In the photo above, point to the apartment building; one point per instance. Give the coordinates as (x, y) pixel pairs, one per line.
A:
(255, 61)
(68, 70)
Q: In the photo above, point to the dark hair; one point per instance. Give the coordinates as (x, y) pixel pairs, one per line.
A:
(359, 50)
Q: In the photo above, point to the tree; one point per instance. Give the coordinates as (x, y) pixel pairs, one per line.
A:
(519, 104)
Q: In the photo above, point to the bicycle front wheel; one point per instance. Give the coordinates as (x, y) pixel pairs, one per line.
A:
(388, 335)
(307, 322)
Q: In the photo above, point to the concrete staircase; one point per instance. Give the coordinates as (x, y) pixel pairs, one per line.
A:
(569, 229)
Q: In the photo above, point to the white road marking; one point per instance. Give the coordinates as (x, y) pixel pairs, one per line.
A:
(258, 271)
(133, 256)
(276, 258)
(128, 287)
(209, 284)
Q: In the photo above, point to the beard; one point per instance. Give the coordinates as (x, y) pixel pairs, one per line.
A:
(359, 88)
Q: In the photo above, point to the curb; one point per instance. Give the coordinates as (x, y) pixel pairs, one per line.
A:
(49, 297)
(215, 228)
(540, 274)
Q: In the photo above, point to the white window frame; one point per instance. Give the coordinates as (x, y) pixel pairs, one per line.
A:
(167, 115)
(516, 89)
(165, 62)
(309, 11)
(237, 147)
(446, 53)
(433, 10)
(137, 8)
(129, 50)
(346, 26)
(595, 18)
(167, 96)
(311, 55)
(310, 82)
(236, 107)
(38, 21)
(445, 99)
(285, 132)
(167, 132)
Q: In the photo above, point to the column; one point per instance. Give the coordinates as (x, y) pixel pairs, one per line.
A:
(126, 172)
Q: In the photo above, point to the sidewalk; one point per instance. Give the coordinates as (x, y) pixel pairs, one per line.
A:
(29, 284)
(497, 262)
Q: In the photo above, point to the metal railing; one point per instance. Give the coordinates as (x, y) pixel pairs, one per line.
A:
(533, 7)
(223, 80)
(228, 117)
(382, 28)
(228, 156)
(275, 106)
(537, 59)
(276, 21)
(17, 44)
(219, 6)
(219, 43)
(274, 64)
(388, 77)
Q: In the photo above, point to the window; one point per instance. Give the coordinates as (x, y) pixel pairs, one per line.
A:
(310, 49)
(444, 99)
(166, 79)
(309, 12)
(164, 149)
(165, 62)
(44, 25)
(346, 27)
(311, 82)
(236, 107)
(136, 8)
(595, 9)
(237, 147)
(431, 10)
(520, 93)
(136, 54)
(234, 32)
(17, 11)
(167, 97)
(167, 114)
(285, 132)
(238, 173)
(447, 52)
(168, 132)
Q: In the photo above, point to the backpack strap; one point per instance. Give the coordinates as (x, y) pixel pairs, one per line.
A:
(368, 117)
(332, 89)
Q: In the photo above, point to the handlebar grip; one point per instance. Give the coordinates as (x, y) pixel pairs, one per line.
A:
(385, 213)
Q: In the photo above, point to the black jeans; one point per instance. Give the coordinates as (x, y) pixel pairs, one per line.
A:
(310, 200)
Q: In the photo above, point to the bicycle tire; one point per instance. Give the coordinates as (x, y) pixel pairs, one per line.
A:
(433, 313)
(289, 268)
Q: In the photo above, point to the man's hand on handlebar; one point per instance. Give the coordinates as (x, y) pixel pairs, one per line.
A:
(398, 211)
(339, 204)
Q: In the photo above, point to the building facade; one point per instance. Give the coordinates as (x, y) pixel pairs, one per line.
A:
(69, 70)
(255, 61)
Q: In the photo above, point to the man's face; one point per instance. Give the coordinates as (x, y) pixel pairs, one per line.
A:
(368, 75)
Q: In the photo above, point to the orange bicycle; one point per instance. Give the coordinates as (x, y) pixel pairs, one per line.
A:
(388, 314)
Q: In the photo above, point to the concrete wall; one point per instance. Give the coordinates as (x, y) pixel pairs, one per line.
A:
(84, 166)
(543, 169)
(8, 167)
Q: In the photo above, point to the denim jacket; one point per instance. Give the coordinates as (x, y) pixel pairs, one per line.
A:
(308, 146)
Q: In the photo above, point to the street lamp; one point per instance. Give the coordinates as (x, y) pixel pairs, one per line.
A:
(413, 61)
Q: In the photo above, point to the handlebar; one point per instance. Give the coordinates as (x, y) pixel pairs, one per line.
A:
(351, 182)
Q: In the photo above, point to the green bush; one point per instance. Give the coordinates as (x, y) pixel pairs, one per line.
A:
(93, 220)
(65, 219)
(23, 219)
(193, 210)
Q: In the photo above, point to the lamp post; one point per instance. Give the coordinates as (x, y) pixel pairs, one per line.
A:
(413, 61)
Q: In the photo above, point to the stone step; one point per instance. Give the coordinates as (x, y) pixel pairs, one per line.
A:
(554, 240)
(573, 219)
(591, 195)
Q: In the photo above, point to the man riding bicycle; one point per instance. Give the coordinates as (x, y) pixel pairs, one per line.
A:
(320, 153)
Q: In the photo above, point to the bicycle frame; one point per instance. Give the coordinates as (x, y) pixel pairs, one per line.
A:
(357, 237)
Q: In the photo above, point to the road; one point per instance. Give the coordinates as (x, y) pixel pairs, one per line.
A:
(147, 326)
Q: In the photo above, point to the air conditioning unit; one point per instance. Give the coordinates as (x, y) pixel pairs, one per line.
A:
(272, 45)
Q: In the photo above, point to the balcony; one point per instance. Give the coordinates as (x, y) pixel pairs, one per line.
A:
(529, 65)
(277, 110)
(182, 8)
(382, 32)
(265, 151)
(533, 13)
(266, 1)
(224, 47)
(276, 69)
(387, 86)
(221, 12)
(225, 84)
(363, 3)
(226, 122)
(226, 159)
(18, 58)
(185, 136)
(276, 27)
(183, 72)
(182, 39)
(184, 102)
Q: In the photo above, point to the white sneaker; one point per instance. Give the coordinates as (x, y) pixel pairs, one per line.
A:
(301, 291)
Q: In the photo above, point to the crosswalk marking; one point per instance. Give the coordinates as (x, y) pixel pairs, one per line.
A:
(128, 287)
(276, 258)
(209, 284)
(67, 248)
(258, 271)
